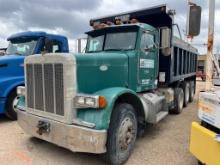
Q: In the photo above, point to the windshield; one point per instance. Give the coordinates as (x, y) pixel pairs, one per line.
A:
(112, 41)
(95, 44)
(24, 47)
(120, 41)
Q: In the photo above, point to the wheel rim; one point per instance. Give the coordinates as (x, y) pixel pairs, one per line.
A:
(15, 102)
(192, 92)
(181, 101)
(187, 94)
(127, 134)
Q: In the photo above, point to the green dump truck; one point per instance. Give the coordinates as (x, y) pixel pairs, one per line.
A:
(134, 72)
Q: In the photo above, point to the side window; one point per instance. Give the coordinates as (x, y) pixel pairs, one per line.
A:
(52, 46)
(95, 43)
(147, 41)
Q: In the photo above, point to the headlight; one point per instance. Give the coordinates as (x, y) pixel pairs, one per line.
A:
(90, 101)
(21, 91)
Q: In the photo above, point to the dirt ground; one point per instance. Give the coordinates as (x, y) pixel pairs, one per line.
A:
(166, 143)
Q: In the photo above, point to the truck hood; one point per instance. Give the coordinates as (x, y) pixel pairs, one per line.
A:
(97, 71)
(11, 57)
(11, 66)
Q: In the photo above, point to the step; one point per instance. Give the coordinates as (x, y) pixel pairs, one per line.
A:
(161, 115)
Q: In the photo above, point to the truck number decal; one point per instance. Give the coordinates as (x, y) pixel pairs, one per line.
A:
(146, 63)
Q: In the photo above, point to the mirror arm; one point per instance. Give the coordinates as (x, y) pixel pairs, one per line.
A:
(178, 28)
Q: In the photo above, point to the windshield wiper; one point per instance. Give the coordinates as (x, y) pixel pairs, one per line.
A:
(115, 49)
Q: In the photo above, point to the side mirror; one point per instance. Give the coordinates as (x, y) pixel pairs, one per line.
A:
(165, 37)
(194, 20)
(165, 45)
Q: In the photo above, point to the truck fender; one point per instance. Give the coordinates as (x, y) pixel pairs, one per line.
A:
(101, 117)
(8, 85)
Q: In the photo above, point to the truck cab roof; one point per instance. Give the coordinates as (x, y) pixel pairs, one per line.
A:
(35, 34)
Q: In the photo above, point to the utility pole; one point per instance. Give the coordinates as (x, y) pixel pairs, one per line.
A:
(79, 44)
(209, 56)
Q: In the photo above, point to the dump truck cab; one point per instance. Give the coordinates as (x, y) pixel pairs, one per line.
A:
(130, 45)
(20, 46)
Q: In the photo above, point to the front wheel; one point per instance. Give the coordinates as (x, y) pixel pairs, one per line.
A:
(11, 101)
(122, 134)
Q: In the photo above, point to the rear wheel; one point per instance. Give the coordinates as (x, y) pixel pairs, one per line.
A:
(178, 101)
(11, 101)
(122, 134)
(191, 90)
(186, 93)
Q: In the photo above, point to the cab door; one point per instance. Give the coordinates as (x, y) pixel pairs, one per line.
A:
(148, 61)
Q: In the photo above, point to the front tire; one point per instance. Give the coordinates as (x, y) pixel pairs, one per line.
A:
(122, 134)
(10, 111)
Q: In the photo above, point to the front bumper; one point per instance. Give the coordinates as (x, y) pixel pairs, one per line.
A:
(72, 137)
(203, 145)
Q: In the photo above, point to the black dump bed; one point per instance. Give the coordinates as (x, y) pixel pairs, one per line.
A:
(181, 64)
(157, 16)
(182, 61)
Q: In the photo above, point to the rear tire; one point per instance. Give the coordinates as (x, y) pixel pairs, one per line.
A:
(122, 134)
(186, 93)
(178, 101)
(10, 111)
(191, 90)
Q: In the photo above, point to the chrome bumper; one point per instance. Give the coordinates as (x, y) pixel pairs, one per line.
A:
(72, 137)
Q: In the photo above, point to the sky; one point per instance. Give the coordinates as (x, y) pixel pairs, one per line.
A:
(71, 17)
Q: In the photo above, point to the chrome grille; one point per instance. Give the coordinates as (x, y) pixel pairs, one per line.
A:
(39, 102)
(59, 88)
(45, 87)
(30, 85)
(49, 88)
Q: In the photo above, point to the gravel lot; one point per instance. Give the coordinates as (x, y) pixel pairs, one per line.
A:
(166, 143)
